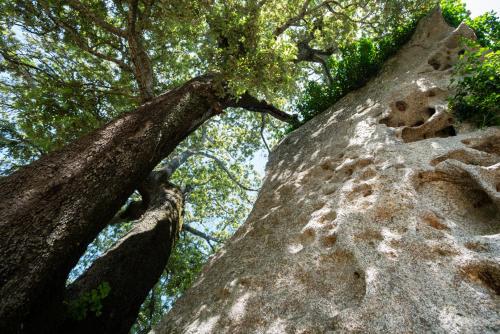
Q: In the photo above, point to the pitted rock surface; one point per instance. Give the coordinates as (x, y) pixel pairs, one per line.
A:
(381, 215)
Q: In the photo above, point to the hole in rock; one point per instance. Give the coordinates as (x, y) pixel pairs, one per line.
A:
(434, 63)
(481, 202)
(401, 105)
(363, 189)
(367, 192)
(489, 145)
(342, 287)
(446, 132)
(431, 111)
(485, 273)
(434, 221)
(325, 166)
(418, 123)
(385, 121)
(470, 208)
(444, 251)
(476, 246)
(329, 217)
(329, 240)
(369, 234)
(308, 236)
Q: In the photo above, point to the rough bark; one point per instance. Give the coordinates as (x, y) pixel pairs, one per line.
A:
(380, 215)
(51, 209)
(131, 267)
(143, 69)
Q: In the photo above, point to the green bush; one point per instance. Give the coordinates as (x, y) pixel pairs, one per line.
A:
(454, 12)
(477, 84)
(351, 69)
(476, 77)
(487, 29)
(357, 63)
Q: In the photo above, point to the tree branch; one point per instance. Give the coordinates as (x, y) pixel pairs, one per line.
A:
(262, 127)
(81, 43)
(291, 21)
(17, 138)
(147, 246)
(225, 169)
(170, 166)
(309, 54)
(96, 19)
(143, 70)
(247, 101)
(304, 11)
(192, 230)
(14, 60)
(326, 70)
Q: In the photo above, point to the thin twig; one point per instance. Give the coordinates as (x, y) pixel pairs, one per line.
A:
(222, 166)
(262, 127)
(194, 231)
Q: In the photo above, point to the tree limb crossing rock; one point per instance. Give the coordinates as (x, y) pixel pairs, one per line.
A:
(379, 216)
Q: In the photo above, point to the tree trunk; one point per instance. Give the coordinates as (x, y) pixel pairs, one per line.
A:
(131, 268)
(51, 209)
(380, 215)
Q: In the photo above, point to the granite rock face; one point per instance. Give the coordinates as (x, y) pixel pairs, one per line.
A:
(379, 216)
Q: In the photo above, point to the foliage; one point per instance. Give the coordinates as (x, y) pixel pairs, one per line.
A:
(487, 29)
(486, 26)
(355, 65)
(359, 61)
(90, 301)
(454, 12)
(477, 85)
(476, 77)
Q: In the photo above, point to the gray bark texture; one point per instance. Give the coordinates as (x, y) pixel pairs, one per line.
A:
(52, 209)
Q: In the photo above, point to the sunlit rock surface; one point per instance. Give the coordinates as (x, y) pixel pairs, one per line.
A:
(378, 216)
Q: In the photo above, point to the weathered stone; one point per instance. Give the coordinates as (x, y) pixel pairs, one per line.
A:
(379, 216)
